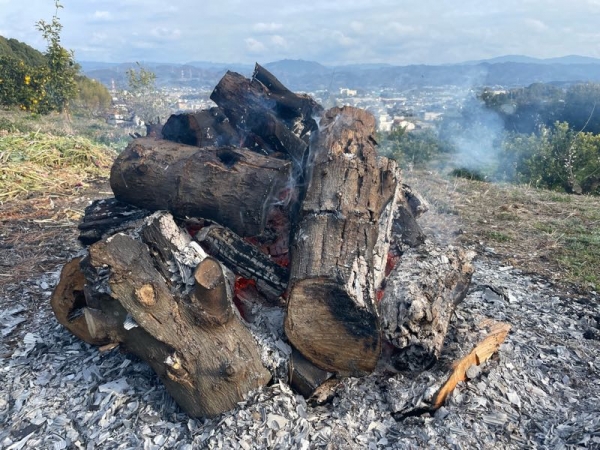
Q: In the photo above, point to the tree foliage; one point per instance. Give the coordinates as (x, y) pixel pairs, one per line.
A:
(61, 86)
(525, 110)
(555, 158)
(415, 148)
(39, 85)
(92, 98)
(143, 97)
(20, 51)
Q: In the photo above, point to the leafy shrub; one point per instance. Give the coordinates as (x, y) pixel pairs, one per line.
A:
(555, 158)
(468, 174)
(415, 148)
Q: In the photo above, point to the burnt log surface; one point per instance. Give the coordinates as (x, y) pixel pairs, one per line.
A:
(106, 217)
(244, 259)
(231, 186)
(207, 128)
(420, 296)
(298, 111)
(272, 118)
(182, 322)
(331, 317)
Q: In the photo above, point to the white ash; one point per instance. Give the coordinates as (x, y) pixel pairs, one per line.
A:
(541, 391)
(267, 329)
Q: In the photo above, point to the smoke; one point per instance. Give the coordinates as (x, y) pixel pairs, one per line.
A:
(476, 132)
(476, 136)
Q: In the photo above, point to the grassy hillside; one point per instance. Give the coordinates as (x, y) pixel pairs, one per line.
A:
(19, 50)
(43, 155)
(552, 234)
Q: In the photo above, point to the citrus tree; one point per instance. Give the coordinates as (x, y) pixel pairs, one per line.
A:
(61, 85)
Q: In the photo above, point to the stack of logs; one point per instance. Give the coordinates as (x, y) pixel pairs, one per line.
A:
(261, 239)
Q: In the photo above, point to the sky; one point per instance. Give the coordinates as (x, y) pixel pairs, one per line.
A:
(331, 32)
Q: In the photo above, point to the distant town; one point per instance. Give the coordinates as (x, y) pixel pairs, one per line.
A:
(411, 110)
(408, 97)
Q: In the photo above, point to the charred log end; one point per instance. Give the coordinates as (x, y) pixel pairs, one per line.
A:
(330, 330)
(305, 377)
(68, 303)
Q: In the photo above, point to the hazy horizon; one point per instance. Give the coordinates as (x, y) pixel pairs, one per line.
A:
(430, 32)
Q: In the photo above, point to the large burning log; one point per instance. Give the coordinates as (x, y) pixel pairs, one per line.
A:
(261, 239)
(332, 316)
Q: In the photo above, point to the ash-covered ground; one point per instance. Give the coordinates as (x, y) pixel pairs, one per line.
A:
(542, 390)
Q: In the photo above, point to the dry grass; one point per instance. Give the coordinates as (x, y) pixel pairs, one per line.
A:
(34, 163)
(548, 233)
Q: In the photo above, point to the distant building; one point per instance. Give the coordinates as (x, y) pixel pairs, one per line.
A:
(432, 116)
(348, 92)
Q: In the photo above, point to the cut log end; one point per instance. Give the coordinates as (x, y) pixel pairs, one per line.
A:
(330, 330)
(68, 303)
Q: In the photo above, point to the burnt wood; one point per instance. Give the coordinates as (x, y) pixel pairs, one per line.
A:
(207, 128)
(106, 217)
(244, 259)
(253, 111)
(144, 296)
(230, 186)
(331, 317)
(421, 294)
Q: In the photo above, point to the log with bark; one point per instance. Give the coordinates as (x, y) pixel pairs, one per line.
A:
(332, 317)
(231, 186)
(421, 294)
(182, 322)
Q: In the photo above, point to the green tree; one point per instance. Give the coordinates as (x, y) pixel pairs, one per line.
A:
(23, 85)
(555, 158)
(143, 97)
(38, 85)
(92, 98)
(61, 86)
(415, 148)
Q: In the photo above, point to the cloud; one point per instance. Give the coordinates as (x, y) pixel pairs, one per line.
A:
(102, 15)
(99, 37)
(166, 34)
(254, 45)
(342, 39)
(357, 27)
(262, 27)
(536, 25)
(279, 42)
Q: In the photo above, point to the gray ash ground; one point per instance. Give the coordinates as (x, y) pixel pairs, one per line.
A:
(542, 390)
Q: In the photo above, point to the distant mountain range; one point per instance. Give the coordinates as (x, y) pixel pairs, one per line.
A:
(505, 71)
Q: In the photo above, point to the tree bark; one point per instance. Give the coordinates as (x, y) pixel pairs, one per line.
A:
(420, 296)
(332, 318)
(231, 186)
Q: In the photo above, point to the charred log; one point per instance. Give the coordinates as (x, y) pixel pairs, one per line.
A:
(253, 112)
(183, 325)
(244, 259)
(106, 217)
(420, 296)
(231, 186)
(208, 128)
(332, 318)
